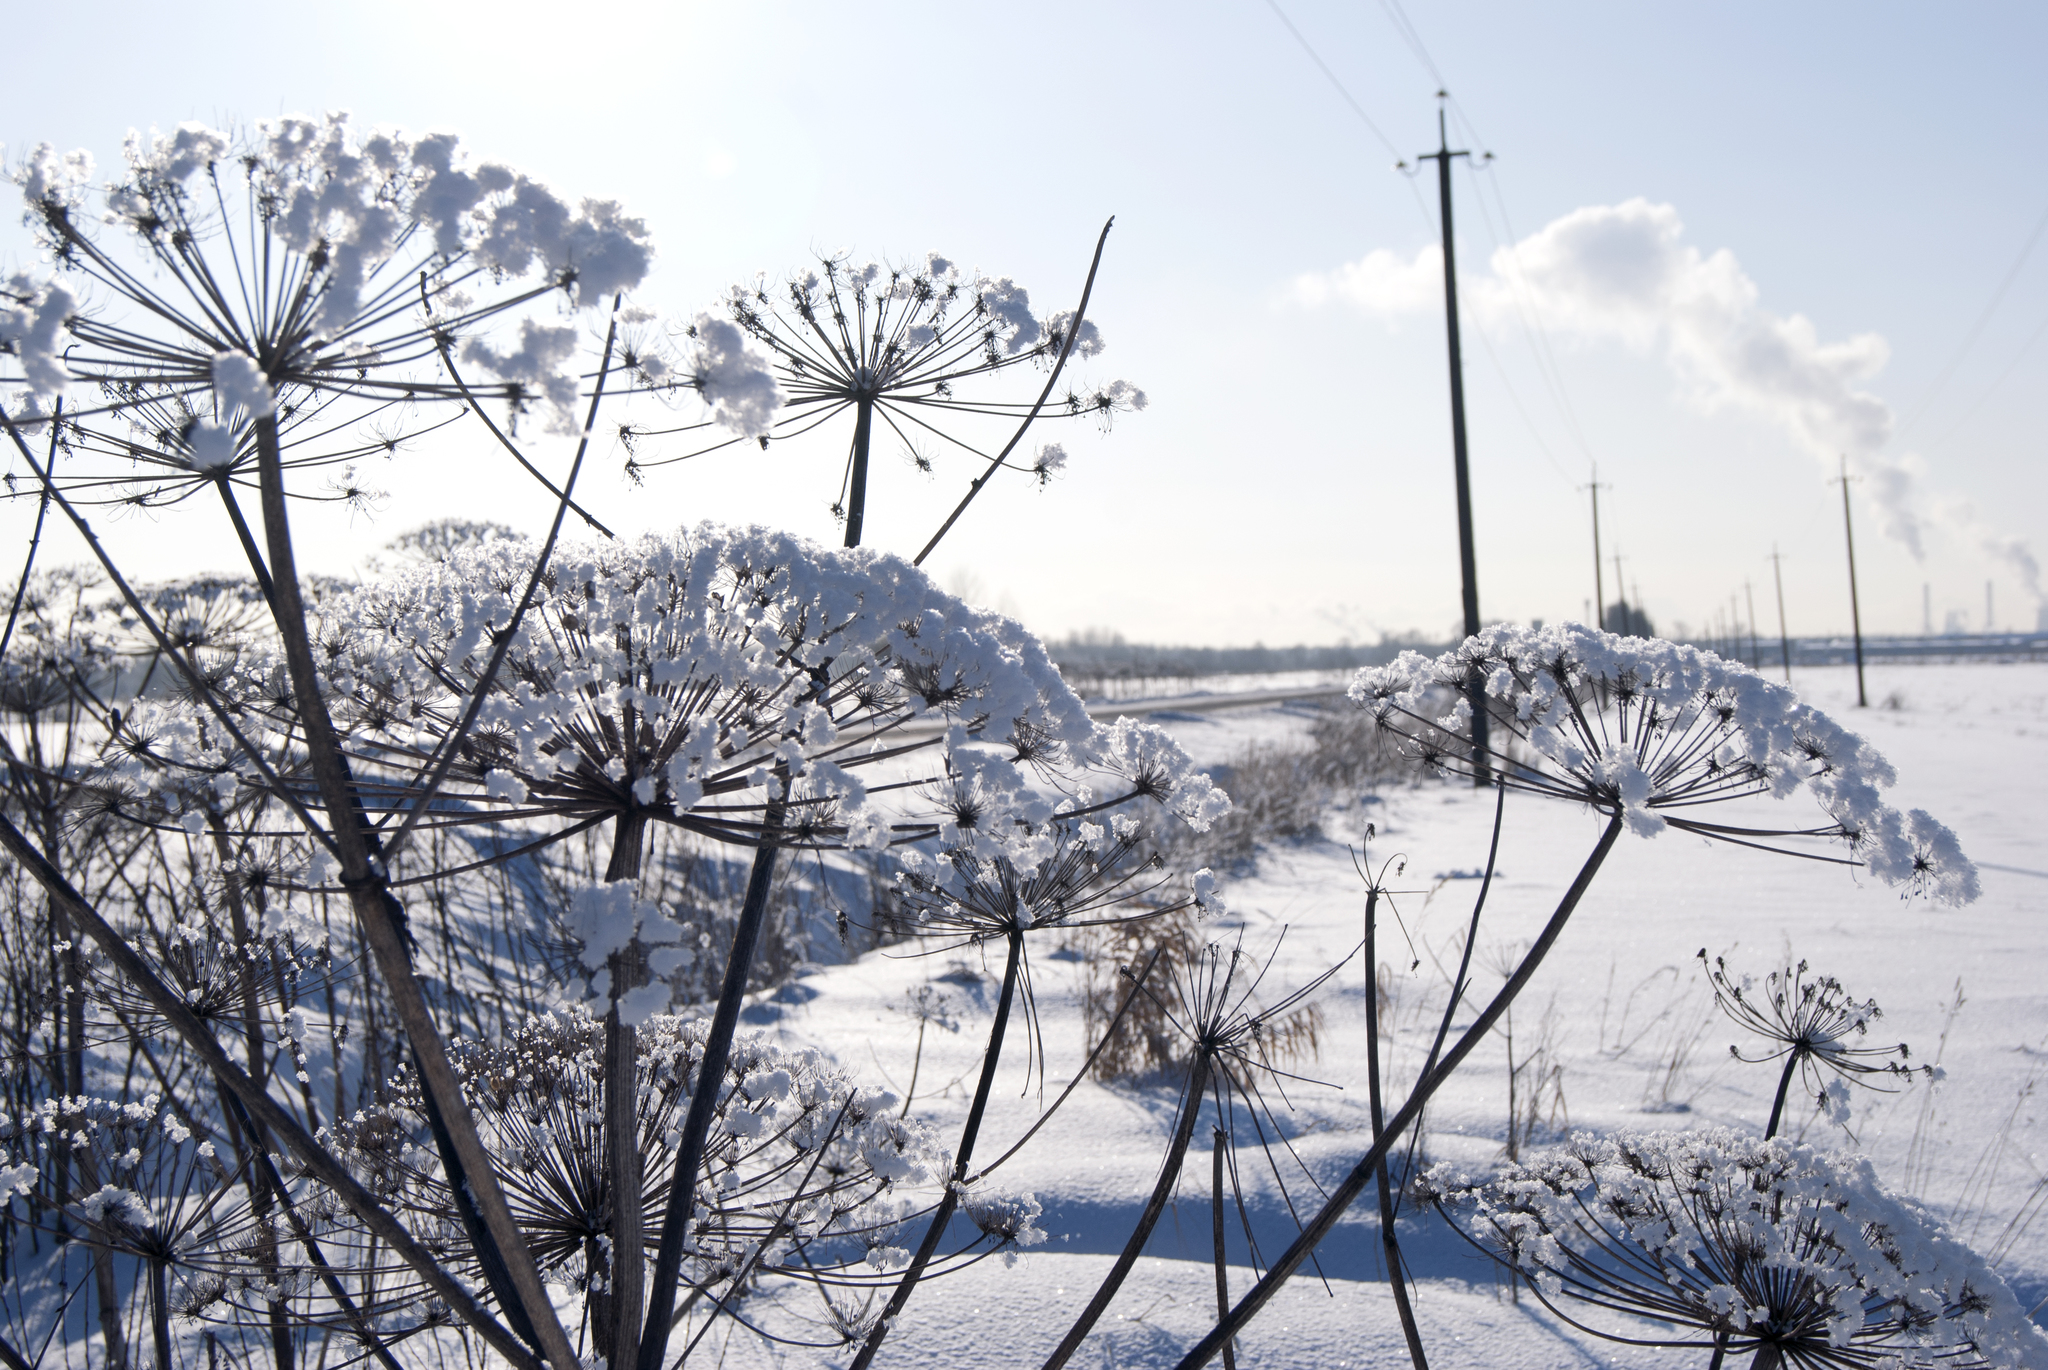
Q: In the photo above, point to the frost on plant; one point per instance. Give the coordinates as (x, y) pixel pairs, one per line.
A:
(804, 1166)
(1652, 732)
(1763, 1249)
(916, 350)
(308, 271)
(1818, 1029)
(722, 681)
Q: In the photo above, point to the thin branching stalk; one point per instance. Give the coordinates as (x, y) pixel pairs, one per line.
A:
(937, 1230)
(1218, 1144)
(260, 1151)
(1778, 1104)
(675, 1223)
(318, 1161)
(380, 916)
(996, 463)
(1342, 1197)
(857, 494)
(35, 537)
(1389, 1241)
(1169, 1174)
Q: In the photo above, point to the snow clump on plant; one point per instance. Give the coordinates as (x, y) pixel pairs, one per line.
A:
(1651, 731)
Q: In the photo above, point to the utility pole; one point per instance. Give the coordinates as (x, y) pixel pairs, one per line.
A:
(1749, 596)
(1784, 642)
(1855, 614)
(1599, 591)
(1620, 599)
(1467, 562)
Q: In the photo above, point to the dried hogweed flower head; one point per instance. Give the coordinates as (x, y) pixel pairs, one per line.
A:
(734, 683)
(910, 348)
(803, 1160)
(308, 283)
(1762, 1249)
(1817, 1028)
(1652, 732)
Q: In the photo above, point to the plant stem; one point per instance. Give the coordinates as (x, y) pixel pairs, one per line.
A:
(857, 483)
(995, 463)
(259, 1151)
(916, 1063)
(113, 1340)
(1183, 1133)
(319, 1162)
(379, 915)
(248, 541)
(951, 1200)
(629, 1229)
(682, 1193)
(1388, 1238)
(615, 1314)
(1221, 1140)
(1354, 1184)
(1778, 1104)
(35, 538)
(160, 1313)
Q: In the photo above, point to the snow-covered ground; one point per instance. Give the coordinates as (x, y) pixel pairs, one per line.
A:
(1620, 1008)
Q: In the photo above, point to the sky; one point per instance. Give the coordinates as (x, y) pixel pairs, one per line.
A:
(1714, 251)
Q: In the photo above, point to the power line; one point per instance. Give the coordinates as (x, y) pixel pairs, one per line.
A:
(1532, 324)
(1976, 329)
(1527, 315)
(1535, 433)
(1532, 330)
(1412, 38)
(1992, 389)
(1399, 162)
(1331, 77)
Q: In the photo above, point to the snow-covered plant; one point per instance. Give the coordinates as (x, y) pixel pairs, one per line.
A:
(57, 640)
(293, 285)
(1818, 1028)
(732, 682)
(1644, 733)
(1652, 731)
(134, 1179)
(1211, 999)
(1782, 1253)
(737, 685)
(913, 347)
(203, 618)
(228, 313)
(1095, 868)
(803, 1168)
(240, 960)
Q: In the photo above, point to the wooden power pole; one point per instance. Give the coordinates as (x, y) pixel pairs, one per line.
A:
(1784, 641)
(1467, 561)
(1855, 614)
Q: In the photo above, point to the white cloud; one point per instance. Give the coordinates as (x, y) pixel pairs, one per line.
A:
(1380, 282)
(1624, 273)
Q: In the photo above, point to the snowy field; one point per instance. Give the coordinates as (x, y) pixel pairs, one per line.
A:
(1620, 1010)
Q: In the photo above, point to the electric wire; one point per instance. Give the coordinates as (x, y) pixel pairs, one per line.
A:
(1971, 412)
(1947, 372)
(1409, 35)
(1522, 315)
(1331, 77)
(1400, 162)
(1508, 245)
